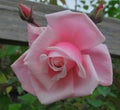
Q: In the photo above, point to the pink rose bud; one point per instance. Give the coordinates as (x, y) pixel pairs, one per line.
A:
(99, 7)
(98, 13)
(25, 12)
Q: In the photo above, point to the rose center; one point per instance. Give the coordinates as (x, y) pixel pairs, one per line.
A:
(58, 61)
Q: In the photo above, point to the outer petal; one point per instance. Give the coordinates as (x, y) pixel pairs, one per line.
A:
(33, 59)
(85, 86)
(61, 90)
(76, 28)
(34, 32)
(23, 74)
(102, 62)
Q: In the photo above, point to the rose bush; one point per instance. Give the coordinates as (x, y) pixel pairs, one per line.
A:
(65, 59)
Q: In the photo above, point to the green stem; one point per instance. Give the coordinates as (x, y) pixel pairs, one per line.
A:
(63, 105)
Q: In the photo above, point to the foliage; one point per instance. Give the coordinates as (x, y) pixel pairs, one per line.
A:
(113, 9)
(13, 97)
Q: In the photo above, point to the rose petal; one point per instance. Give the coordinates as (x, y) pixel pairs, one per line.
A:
(61, 90)
(34, 32)
(61, 74)
(102, 62)
(70, 51)
(65, 66)
(32, 59)
(85, 86)
(23, 74)
(43, 75)
(76, 28)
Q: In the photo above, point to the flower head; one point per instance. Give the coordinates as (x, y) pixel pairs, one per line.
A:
(100, 7)
(65, 59)
(25, 13)
(97, 14)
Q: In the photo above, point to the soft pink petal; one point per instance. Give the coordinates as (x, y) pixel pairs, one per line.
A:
(71, 52)
(60, 90)
(76, 28)
(66, 64)
(43, 75)
(60, 75)
(33, 59)
(23, 74)
(85, 86)
(34, 32)
(102, 62)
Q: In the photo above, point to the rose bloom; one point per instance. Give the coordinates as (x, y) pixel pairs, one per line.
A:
(66, 59)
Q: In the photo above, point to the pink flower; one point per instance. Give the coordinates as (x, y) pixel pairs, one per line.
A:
(65, 59)
(100, 6)
(25, 13)
(97, 13)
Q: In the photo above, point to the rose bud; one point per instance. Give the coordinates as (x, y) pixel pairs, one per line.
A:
(26, 14)
(98, 13)
(99, 7)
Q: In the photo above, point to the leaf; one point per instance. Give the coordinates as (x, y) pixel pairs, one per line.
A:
(3, 81)
(38, 106)
(95, 102)
(20, 89)
(8, 50)
(27, 98)
(14, 106)
(13, 79)
(103, 90)
(8, 89)
(3, 78)
(85, 7)
(4, 102)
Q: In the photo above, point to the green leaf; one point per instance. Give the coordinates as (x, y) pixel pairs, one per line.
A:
(8, 50)
(3, 78)
(27, 98)
(103, 90)
(12, 80)
(8, 89)
(14, 106)
(85, 7)
(4, 102)
(3, 81)
(38, 106)
(20, 89)
(95, 102)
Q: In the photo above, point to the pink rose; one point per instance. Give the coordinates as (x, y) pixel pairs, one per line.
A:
(65, 59)
(25, 12)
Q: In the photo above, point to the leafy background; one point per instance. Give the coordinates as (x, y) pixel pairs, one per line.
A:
(13, 97)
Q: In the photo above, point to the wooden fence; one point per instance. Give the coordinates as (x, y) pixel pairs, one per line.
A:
(13, 29)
